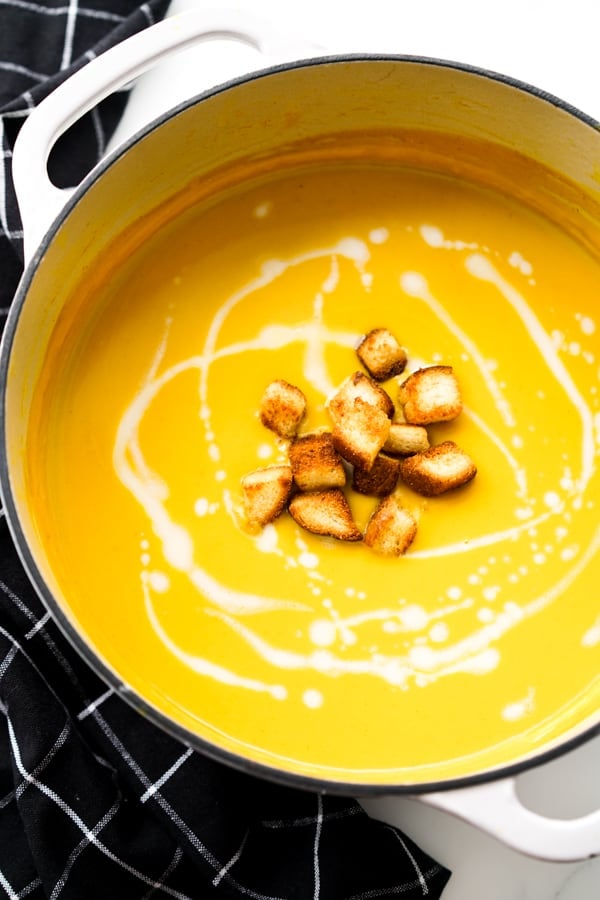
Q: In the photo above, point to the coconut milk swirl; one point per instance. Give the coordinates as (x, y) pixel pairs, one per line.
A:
(429, 654)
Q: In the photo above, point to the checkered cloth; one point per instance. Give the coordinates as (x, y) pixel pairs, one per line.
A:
(96, 802)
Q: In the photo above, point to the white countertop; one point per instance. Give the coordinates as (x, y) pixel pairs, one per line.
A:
(551, 44)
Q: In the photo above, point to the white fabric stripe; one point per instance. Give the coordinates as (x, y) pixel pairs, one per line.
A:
(7, 887)
(20, 113)
(8, 798)
(129, 759)
(95, 704)
(61, 10)
(165, 777)
(7, 660)
(69, 35)
(311, 820)
(60, 742)
(78, 850)
(16, 646)
(47, 638)
(36, 883)
(420, 876)
(22, 607)
(170, 868)
(38, 626)
(318, 829)
(229, 865)
(24, 784)
(22, 70)
(396, 888)
(143, 778)
(173, 815)
(76, 819)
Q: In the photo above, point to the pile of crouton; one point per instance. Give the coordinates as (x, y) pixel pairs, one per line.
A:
(372, 443)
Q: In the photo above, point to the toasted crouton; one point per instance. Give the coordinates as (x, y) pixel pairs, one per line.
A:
(381, 354)
(391, 529)
(316, 464)
(282, 408)
(359, 386)
(326, 513)
(382, 478)
(360, 433)
(439, 469)
(404, 439)
(265, 494)
(430, 395)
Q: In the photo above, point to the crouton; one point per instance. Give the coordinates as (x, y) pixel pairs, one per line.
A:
(391, 529)
(282, 408)
(404, 439)
(316, 465)
(437, 470)
(360, 433)
(265, 493)
(326, 513)
(430, 395)
(381, 354)
(382, 478)
(360, 386)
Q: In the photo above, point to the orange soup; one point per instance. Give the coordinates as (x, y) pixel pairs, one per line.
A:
(473, 649)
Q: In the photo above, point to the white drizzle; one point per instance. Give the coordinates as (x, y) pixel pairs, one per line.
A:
(415, 285)
(512, 712)
(591, 637)
(421, 662)
(480, 267)
(202, 666)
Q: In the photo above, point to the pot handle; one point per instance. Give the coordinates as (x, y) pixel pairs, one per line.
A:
(496, 808)
(39, 200)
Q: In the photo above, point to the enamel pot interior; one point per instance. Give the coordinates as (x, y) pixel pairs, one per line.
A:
(256, 119)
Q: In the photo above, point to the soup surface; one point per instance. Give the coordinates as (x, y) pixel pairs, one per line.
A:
(475, 648)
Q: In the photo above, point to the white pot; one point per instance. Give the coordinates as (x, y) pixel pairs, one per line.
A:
(125, 185)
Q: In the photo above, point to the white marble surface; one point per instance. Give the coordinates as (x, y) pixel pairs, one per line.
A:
(552, 45)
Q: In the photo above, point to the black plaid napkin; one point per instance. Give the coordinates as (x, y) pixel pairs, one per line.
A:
(95, 802)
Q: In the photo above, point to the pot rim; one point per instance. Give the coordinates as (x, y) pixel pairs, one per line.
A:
(85, 651)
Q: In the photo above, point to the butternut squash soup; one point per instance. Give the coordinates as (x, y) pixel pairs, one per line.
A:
(478, 645)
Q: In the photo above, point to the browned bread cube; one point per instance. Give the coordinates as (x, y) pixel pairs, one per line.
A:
(430, 395)
(359, 386)
(391, 529)
(439, 469)
(404, 439)
(381, 354)
(316, 464)
(326, 513)
(360, 433)
(380, 480)
(282, 408)
(265, 493)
